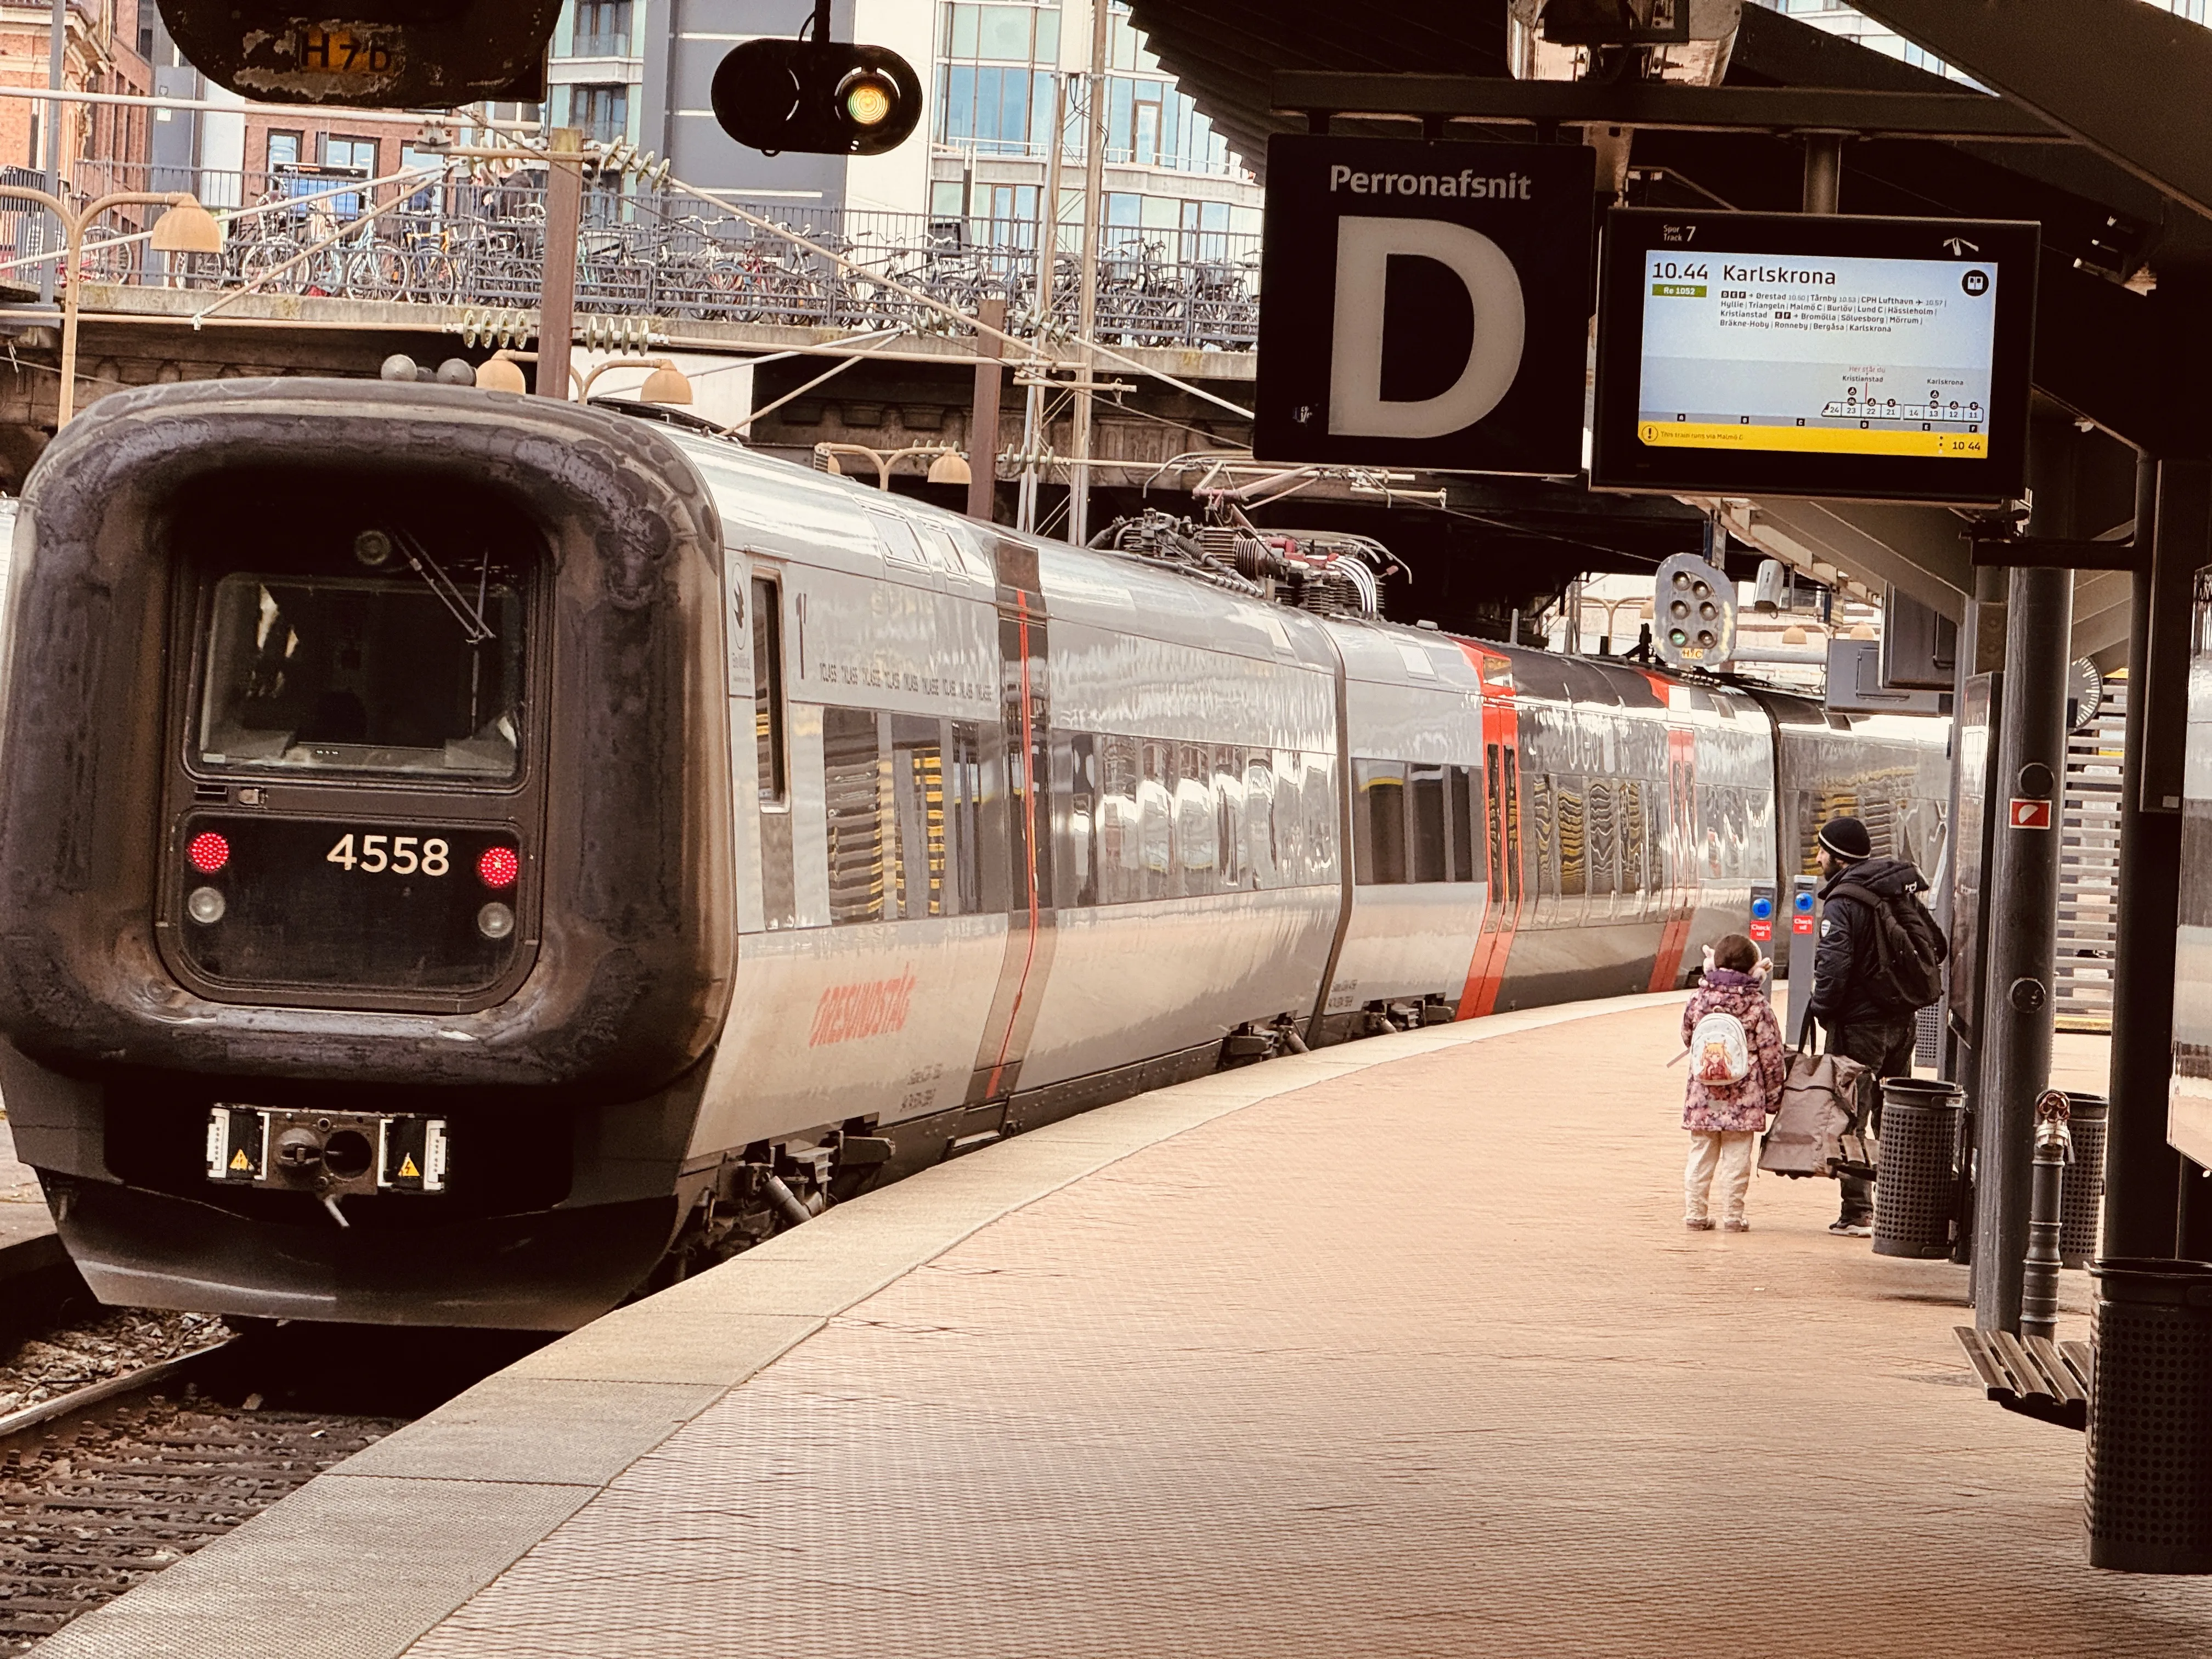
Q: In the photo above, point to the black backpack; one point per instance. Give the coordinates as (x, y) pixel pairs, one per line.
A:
(1907, 970)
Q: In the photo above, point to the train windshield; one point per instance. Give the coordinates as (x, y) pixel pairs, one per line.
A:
(391, 673)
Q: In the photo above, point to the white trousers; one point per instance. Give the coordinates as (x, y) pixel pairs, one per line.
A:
(1727, 1150)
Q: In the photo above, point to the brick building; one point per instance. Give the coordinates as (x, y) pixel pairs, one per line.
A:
(107, 48)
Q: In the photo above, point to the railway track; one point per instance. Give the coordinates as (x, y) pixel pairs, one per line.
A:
(111, 1483)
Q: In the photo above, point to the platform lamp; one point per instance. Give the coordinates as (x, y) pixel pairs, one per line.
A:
(947, 465)
(667, 384)
(187, 227)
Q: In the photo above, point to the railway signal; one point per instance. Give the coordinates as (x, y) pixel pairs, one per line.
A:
(816, 95)
(820, 96)
(1693, 614)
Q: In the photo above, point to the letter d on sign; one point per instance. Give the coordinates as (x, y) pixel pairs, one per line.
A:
(1364, 248)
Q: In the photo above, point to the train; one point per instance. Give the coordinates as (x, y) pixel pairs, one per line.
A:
(469, 859)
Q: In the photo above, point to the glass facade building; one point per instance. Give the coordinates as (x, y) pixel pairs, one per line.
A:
(1172, 183)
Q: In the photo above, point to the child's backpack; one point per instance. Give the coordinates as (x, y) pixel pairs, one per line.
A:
(1720, 1052)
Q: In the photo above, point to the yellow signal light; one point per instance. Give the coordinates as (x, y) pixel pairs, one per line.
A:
(868, 98)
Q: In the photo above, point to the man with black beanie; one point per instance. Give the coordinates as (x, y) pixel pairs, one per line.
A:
(1858, 1025)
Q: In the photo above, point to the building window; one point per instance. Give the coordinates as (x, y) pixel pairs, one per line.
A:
(360, 152)
(602, 112)
(283, 150)
(948, 207)
(994, 110)
(1204, 230)
(1124, 221)
(603, 28)
(1013, 216)
(1144, 150)
(1003, 32)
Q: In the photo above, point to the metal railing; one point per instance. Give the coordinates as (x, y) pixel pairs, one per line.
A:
(480, 242)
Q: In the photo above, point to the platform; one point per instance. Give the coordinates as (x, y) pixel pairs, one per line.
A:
(1398, 1348)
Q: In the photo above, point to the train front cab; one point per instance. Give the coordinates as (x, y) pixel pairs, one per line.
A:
(365, 852)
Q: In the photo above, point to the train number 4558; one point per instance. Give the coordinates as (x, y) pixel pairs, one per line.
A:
(400, 855)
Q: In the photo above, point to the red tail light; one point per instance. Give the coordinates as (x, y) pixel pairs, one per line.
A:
(209, 852)
(498, 866)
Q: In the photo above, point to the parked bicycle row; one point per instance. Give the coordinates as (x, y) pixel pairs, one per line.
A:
(483, 245)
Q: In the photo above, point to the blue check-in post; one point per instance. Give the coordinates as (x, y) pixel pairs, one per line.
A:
(1761, 927)
(1804, 940)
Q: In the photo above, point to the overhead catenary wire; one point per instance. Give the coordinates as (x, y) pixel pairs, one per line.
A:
(838, 368)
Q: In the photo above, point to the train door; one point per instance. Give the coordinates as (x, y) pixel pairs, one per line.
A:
(754, 598)
(1681, 888)
(1025, 801)
(1500, 809)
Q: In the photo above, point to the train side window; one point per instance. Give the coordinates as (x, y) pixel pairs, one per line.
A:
(1378, 824)
(1604, 850)
(1467, 862)
(1515, 877)
(1076, 754)
(1318, 796)
(1570, 848)
(1229, 814)
(1260, 808)
(1429, 820)
(919, 823)
(1542, 880)
(1156, 821)
(1707, 827)
(851, 787)
(1573, 821)
(963, 827)
(1120, 857)
(1286, 825)
(767, 689)
(1494, 810)
(1198, 840)
(1628, 814)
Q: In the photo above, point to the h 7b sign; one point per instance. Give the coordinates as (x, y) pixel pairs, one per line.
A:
(1424, 305)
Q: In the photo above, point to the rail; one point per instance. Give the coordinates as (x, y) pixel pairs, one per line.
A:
(475, 239)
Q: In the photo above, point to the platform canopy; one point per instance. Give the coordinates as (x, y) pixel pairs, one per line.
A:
(2119, 182)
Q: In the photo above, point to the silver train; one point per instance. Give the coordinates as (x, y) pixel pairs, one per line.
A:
(467, 858)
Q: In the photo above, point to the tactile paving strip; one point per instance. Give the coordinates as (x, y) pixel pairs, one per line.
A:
(1416, 1362)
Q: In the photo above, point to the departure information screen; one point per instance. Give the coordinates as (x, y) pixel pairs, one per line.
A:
(1854, 357)
(1816, 356)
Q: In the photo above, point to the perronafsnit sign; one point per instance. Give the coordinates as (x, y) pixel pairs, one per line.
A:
(1424, 304)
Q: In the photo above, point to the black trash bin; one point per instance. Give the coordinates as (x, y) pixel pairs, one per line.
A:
(2081, 1196)
(1916, 1197)
(2150, 1419)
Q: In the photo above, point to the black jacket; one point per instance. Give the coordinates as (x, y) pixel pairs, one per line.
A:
(1846, 954)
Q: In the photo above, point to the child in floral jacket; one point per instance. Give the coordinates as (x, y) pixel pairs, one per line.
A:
(1724, 1118)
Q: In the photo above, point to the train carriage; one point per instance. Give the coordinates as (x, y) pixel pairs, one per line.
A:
(468, 856)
